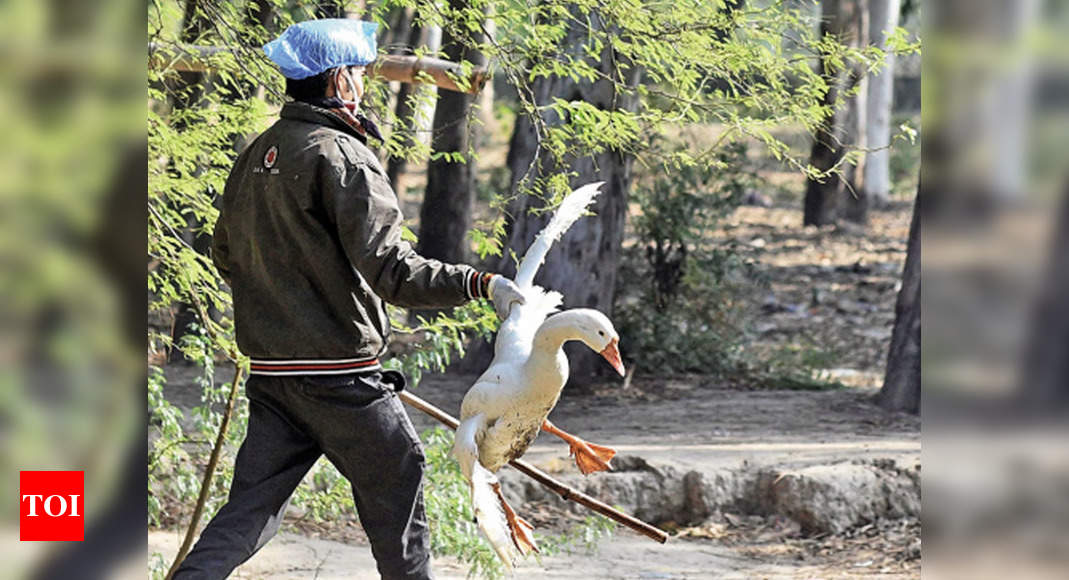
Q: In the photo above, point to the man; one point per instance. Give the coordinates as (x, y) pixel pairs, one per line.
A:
(309, 239)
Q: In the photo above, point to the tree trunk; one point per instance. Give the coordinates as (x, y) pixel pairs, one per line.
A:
(857, 202)
(445, 216)
(986, 116)
(883, 18)
(1005, 123)
(583, 264)
(840, 19)
(1045, 372)
(404, 114)
(395, 39)
(339, 9)
(423, 118)
(488, 124)
(902, 384)
(328, 9)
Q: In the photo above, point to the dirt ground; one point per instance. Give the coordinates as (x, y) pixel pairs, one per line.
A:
(829, 287)
(624, 556)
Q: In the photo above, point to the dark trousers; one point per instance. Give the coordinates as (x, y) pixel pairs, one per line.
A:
(359, 423)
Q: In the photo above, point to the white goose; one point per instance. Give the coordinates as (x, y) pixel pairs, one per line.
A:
(507, 406)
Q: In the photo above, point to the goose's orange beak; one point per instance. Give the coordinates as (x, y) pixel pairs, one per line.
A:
(612, 354)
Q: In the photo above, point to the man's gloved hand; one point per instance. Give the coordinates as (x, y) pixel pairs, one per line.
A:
(504, 293)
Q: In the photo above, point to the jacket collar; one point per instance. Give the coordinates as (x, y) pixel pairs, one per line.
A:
(301, 111)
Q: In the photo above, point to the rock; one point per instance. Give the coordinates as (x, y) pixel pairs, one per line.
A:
(756, 198)
(772, 305)
(632, 463)
(817, 296)
(849, 229)
(764, 327)
(858, 267)
(834, 498)
(695, 506)
(881, 333)
(821, 498)
(845, 306)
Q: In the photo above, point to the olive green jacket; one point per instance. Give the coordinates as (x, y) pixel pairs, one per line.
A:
(309, 239)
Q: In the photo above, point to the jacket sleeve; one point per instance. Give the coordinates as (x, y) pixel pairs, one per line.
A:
(364, 209)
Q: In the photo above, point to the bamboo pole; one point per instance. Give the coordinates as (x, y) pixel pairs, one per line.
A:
(389, 67)
(545, 479)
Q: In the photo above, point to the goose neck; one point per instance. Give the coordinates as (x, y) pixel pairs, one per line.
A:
(555, 331)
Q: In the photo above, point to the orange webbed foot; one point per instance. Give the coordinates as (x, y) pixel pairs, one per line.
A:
(590, 457)
(522, 535)
(519, 528)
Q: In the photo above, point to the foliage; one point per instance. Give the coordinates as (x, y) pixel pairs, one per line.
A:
(584, 536)
(325, 494)
(191, 150)
(792, 367)
(72, 375)
(166, 451)
(696, 291)
(193, 123)
(440, 339)
(653, 67)
(691, 288)
(904, 162)
(157, 566)
(178, 453)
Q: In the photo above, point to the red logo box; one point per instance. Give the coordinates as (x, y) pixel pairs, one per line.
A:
(51, 506)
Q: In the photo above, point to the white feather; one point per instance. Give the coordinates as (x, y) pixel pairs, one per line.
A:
(489, 515)
(572, 208)
(514, 336)
(466, 443)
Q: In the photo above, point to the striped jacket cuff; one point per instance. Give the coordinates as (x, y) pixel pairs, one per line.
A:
(477, 284)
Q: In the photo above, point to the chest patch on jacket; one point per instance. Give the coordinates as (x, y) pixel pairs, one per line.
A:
(270, 157)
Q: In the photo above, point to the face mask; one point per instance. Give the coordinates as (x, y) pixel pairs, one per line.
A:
(353, 106)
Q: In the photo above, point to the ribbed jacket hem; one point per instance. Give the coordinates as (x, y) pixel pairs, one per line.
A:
(291, 367)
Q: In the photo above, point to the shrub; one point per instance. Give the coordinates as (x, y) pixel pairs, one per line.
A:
(686, 314)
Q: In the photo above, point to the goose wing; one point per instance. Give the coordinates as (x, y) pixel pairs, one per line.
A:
(571, 209)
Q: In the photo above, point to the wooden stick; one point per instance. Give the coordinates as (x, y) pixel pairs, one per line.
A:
(545, 479)
(421, 69)
(390, 67)
(209, 471)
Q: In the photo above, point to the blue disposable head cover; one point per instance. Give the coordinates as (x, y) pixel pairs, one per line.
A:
(308, 48)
